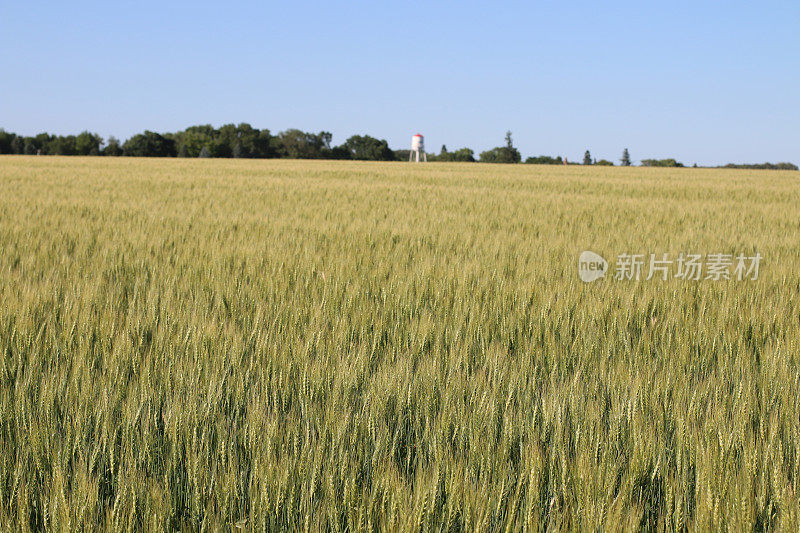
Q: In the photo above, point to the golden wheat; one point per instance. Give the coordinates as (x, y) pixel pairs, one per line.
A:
(213, 344)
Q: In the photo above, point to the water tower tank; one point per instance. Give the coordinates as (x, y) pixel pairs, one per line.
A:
(418, 142)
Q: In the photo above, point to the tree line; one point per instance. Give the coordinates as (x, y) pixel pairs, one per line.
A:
(230, 140)
(244, 141)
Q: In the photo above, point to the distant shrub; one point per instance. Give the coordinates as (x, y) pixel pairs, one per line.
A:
(764, 166)
(462, 154)
(544, 160)
(661, 163)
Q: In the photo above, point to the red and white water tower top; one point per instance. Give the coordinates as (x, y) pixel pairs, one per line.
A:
(417, 146)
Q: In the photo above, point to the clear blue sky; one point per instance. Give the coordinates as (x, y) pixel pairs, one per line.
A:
(705, 82)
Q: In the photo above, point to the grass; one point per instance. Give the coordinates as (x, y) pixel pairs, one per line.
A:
(214, 344)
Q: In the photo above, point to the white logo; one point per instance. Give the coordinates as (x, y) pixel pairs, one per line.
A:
(591, 266)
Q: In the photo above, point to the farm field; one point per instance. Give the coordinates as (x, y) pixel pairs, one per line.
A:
(317, 345)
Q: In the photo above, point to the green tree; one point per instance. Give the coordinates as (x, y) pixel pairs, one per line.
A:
(149, 144)
(626, 158)
(113, 147)
(544, 160)
(587, 158)
(763, 166)
(368, 148)
(6, 142)
(462, 155)
(191, 141)
(30, 147)
(43, 141)
(88, 143)
(262, 144)
(63, 145)
(502, 154)
(661, 163)
(17, 145)
(297, 144)
(251, 141)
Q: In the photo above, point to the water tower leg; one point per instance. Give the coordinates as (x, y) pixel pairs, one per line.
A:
(417, 156)
(410, 155)
(425, 156)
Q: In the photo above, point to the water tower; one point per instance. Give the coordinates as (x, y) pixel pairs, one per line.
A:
(417, 146)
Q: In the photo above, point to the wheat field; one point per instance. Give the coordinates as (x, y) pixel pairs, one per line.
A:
(202, 345)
